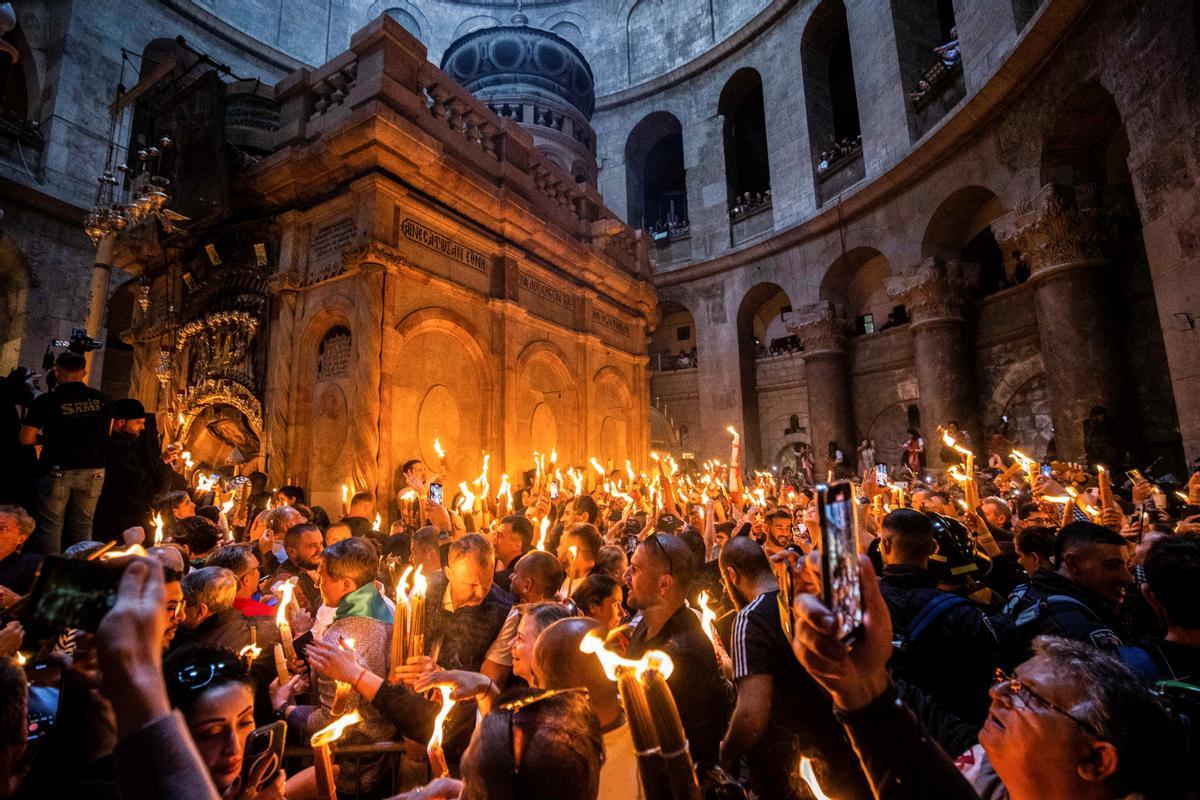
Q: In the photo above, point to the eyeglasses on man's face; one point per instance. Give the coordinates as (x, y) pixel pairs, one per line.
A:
(1035, 701)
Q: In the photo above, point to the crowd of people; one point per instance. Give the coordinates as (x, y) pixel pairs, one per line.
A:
(838, 151)
(660, 230)
(746, 202)
(684, 359)
(1020, 630)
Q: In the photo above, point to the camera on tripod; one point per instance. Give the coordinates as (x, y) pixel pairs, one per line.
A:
(79, 342)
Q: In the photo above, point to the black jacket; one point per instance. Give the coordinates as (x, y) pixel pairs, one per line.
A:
(901, 761)
(1056, 606)
(953, 659)
(460, 639)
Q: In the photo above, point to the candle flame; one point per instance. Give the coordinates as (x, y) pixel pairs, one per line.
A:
(437, 448)
(180, 419)
(378, 522)
(252, 650)
(1182, 496)
(656, 660)
(732, 431)
(187, 459)
(574, 551)
(345, 493)
(553, 455)
(439, 722)
(205, 482)
(226, 507)
(541, 543)
(21, 658)
(654, 456)
(132, 550)
(577, 479)
(334, 730)
(708, 617)
(504, 488)
(468, 498)
(284, 590)
(1024, 459)
(952, 443)
(420, 584)
(401, 584)
(408, 494)
(629, 471)
(810, 777)
(596, 466)
(158, 529)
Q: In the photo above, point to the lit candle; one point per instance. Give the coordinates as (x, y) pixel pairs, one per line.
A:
(541, 542)
(281, 669)
(341, 689)
(708, 617)
(810, 777)
(345, 500)
(251, 652)
(437, 757)
(284, 590)
(158, 530)
(323, 758)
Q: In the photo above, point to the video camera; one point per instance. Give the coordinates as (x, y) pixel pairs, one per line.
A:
(79, 342)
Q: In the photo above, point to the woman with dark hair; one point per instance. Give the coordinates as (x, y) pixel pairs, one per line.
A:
(599, 597)
(211, 687)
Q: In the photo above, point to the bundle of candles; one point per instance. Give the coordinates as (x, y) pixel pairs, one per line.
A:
(408, 626)
(322, 755)
(664, 763)
(285, 649)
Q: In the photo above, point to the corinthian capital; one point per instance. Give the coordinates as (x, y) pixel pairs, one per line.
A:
(821, 328)
(1052, 231)
(932, 291)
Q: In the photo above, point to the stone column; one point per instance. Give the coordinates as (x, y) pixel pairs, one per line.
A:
(1060, 241)
(934, 294)
(281, 374)
(823, 329)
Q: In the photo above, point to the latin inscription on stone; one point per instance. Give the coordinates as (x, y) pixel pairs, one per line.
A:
(609, 321)
(546, 292)
(330, 240)
(426, 237)
(333, 355)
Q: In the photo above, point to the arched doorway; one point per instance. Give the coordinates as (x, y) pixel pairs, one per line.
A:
(761, 334)
(858, 281)
(117, 373)
(961, 230)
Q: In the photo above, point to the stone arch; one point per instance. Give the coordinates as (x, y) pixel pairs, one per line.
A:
(116, 376)
(888, 427)
(613, 416)
(475, 23)
(643, 23)
(744, 133)
(827, 65)
(20, 92)
(960, 229)
(857, 279)
(439, 347)
(568, 25)
(655, 177)
(15, 279)
(544, 367)
(758, 320)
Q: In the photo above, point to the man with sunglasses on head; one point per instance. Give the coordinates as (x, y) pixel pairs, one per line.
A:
(659, 577)
(1071, 723)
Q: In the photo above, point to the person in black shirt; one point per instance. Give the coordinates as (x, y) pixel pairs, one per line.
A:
(17, 569)
(74, 421)
(659, 576)
(134, 474)
(944, 643)
(16, 462)
(781, 712)
(514, 538)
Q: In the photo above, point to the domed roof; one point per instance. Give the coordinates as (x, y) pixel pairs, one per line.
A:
(515, 54)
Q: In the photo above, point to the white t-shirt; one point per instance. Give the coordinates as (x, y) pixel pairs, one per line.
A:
(619, 775)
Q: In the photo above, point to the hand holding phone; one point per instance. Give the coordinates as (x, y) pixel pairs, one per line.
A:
(435, 493)
(841, 581)
(262, 757)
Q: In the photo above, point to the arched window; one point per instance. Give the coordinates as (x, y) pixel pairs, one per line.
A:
(673, 341)
(858, 281)
(761, 334)
(960, 230)
(655, 178)
(930, 60)
(744, 129)
(834, 133)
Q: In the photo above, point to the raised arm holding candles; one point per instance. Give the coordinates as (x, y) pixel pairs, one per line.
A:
(408, 631)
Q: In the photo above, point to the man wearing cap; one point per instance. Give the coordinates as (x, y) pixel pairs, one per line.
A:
(69, 429)
(133, 474)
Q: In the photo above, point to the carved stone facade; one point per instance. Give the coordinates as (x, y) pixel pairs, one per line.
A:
(1052, 231)
(933, 291)
(822, 328)
(405, 297)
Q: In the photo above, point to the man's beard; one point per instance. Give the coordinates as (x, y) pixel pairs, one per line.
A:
(304, 563)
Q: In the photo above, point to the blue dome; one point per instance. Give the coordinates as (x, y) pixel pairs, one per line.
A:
(516, 54)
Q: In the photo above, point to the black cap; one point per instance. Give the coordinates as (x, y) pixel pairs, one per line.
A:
(129, 408)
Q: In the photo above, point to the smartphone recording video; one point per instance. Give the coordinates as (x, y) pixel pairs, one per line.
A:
(840, 577)
(69, 593)
(435, 493)
(881, 474)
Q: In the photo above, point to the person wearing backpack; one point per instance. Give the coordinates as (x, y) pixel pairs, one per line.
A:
(1078, 600)
(1172, 589)
(943, 642)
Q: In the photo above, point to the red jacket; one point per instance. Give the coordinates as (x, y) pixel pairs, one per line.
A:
(249, 607)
